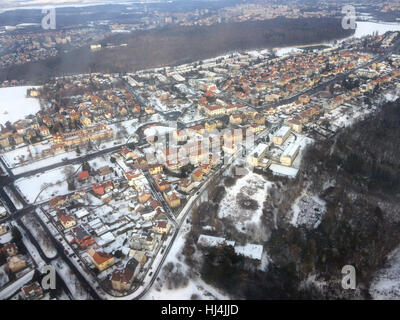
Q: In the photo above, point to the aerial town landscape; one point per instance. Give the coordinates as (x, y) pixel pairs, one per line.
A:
(197, 177)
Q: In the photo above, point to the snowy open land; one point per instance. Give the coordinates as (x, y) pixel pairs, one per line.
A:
(44, 186)
(14, 105)
(365, 28)
(386, 283)
(251, 187)
(159, 290)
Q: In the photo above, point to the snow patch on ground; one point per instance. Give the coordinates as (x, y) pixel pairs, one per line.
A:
(251, 186)
(386, 283)
(70, 280)
(308, 211)
(194, 287)
(14, 104)
(44, 186)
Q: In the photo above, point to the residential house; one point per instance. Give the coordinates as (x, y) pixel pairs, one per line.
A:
(140, 256)
(281, 135)
(132, 176)
(82, 238)
(16, 263)
(101, 259)
(66, 220)
(18, 139)
(10, 249)
(186, 185)
(121, 280)
(32, 291)
(149, 110)
(83, 176)
(144, 196)
(205, 168)
(57, 202)
(162, 184)
(103, 171)
(172, 199)
(128, 154)
(3, 229)
(4, 142)
(86, 121)
(161, 227)
(102, 187)
(236, 119)
(197, 175)
(295, 125)
(155, 169)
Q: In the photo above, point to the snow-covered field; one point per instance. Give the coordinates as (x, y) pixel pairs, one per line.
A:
(365, 28)
(280, 52)
(44, 186)
(14, 105)
(251, 186)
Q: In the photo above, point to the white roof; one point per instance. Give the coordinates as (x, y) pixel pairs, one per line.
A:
(101, 230)
(252, 251)
(282, 131)
(95, 223)
(125, 250)
(106, 238)
(283, 170)
(210, 241)
(291, 150)
(259, 149)
(81, 213)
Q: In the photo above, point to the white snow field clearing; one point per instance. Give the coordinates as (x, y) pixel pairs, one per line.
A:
(252, 186)
(15, 105)
(44, 186)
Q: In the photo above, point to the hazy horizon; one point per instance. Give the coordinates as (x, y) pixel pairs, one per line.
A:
(10, 4)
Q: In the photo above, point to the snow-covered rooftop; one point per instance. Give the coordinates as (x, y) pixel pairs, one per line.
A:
(283, 170)
(210, 241)
(252, 251)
